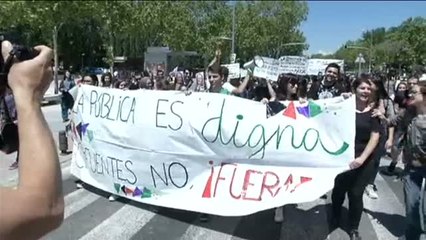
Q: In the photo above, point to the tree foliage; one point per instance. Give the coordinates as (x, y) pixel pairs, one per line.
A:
(403, 46)
(96, 31)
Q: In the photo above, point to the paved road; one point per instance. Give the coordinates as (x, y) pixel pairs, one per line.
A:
(89, 215)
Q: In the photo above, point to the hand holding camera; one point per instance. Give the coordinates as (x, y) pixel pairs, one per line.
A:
(26, 71)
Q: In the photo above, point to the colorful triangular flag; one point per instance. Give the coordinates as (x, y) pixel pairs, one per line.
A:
(146, 193)
(78, 127)
(90, 135)
(128, 190)
(314, 109)
(304, 111)
(305, 179)
(123, 189)
(84, 128)
(117, 187)
(290, 111)
(137, 192)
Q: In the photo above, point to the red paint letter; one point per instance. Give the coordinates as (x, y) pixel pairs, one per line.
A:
(269, 187)
(289, 181)
(248, 183)
(232, 183)
(218, 178)
(208, 186)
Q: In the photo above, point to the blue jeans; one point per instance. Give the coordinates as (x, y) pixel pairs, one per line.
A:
(67, 103)
(415, 203)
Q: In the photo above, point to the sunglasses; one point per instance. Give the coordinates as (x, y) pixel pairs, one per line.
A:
(293, 82)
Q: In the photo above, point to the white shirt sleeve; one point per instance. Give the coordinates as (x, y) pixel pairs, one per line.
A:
(228, 87)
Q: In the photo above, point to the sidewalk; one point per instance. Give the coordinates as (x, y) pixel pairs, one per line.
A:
(10, 177)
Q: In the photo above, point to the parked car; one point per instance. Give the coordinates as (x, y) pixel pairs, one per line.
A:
(94, 70)
(50, 96)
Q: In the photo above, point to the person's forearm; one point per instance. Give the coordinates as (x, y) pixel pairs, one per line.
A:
(271, 92)
(243, 85)
(371, 145)
(39, 168)
(391, 132)
(215, 59)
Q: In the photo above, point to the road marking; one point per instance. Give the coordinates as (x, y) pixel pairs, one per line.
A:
(78, 200)
(123, 224)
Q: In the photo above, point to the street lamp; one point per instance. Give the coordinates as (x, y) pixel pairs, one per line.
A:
(370, 50)
(360, 60)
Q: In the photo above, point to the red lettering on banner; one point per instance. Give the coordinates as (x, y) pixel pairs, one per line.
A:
(270, 188)
(270, 182)
(219, 178)
(207, 188)
(247, 183)
(288, 182)
(232, 183)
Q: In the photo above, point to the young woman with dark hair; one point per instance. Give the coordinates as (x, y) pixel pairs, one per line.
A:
(106, 80)
(383, 109)
(354, 181)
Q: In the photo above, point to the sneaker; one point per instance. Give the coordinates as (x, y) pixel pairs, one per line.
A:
(79, 185)
(279, 215)
(371, 192)
(204, 217)
(14, 165)
(112, 198)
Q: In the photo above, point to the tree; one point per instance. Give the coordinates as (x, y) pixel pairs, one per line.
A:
(264, 28)
(402, 46)
(103, 29)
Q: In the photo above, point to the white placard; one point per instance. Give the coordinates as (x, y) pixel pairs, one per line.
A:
(270, 69)
(293, 64)
(318, 65)
(234, 70)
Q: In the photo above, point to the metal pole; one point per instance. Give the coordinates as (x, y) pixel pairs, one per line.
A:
(359, 68)
(369, 63)
(233, 27)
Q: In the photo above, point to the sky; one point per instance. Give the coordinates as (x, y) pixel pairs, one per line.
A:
(331, 23)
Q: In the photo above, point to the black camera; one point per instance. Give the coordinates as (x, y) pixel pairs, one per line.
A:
(18, 53)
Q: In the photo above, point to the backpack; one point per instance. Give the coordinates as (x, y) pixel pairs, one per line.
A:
(416, 138)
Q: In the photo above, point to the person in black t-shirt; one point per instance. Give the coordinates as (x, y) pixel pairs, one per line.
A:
(355, 180)
(329, 86)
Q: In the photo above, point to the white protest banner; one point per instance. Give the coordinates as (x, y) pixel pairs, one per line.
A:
(318, 65)
(234, 70)
(293, 64)
(209, 152)
(270, 69)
